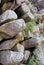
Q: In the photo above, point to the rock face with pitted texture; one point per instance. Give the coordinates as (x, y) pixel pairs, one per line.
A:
(8, 44)
(9, 14)
(20, 48)
(10, 57)
(39, 54)
(13, 28)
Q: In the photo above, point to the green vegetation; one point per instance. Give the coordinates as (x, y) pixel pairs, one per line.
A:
(33, 61)
(43, 34)
(29, 26)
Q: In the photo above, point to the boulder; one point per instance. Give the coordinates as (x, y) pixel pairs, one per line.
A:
(10, 43)
(39, 54)
(12, 28)
(8, 14)
(28, 16)
(25, 8)
(20, 48)
(33, 42)
(11, 57)
(26, 55)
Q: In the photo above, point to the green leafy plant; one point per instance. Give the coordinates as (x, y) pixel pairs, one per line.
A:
(33, 61)
(43, 34)
(29, 26)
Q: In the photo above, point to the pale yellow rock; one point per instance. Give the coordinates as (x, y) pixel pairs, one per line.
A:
(10, 43)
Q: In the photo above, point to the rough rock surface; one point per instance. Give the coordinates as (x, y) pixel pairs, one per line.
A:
(8, 57)
(8, 15)
(26, 55)
(20, 48)
(12, 28)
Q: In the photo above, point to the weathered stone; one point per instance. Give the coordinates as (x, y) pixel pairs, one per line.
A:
(12, 28)
(30, 5)
(40, 25)
(41, 11)
(20, 34)
(41, 28)
(9, 14)
(33, 42)
(4, 35)
(27, 1)
(38, 16)
(10, 43)
(34, 10)
(30, 34)
(28, 16)
(20, 48)
(39, 54)
(11, 57)
(24, 8)
(36, 31)
(26, 55)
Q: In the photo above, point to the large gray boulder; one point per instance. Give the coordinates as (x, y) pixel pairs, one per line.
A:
(12, 28)
(8, 14)
(39, 54)
(11, 57)
(28, 16)
(33, 42)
